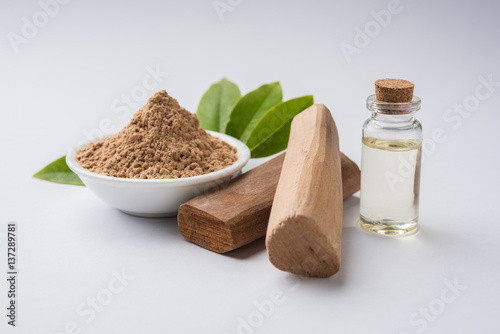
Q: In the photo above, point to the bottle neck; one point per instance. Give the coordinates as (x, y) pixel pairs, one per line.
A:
(393, 115)
(393, 118)
(393, 112)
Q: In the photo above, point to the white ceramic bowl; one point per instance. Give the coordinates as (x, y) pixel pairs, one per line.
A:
(157, 198)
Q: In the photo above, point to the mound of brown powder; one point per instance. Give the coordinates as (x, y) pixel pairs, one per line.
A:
(162, 141)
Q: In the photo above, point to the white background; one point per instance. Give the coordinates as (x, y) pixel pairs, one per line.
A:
(63, 81)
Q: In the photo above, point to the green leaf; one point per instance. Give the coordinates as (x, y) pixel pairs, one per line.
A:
(59, 172)
(250, 109)
(216, 104)
(271, 133)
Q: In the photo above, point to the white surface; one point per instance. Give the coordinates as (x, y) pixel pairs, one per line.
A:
(65, 80)
(157, 198)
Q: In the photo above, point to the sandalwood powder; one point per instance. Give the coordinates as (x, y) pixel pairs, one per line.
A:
(162, 141)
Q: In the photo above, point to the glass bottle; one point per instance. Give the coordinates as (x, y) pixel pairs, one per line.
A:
(390, 168)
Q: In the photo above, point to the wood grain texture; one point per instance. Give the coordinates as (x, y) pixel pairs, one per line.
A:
(237, 213)
(304, 235)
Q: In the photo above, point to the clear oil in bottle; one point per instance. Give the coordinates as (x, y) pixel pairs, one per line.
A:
(390, 185)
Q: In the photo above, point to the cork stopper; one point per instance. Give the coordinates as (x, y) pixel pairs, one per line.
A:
(394, 90)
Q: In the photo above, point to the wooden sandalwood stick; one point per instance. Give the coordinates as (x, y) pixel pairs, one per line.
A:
(305, 227)
(237, 213)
